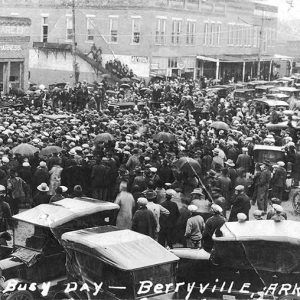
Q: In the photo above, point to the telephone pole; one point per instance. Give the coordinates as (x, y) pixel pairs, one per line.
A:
(75, 66)
(261, 39)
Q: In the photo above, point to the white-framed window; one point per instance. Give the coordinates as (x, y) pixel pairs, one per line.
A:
(160, 31)
(245, 36)
(176, 31)
(218, 33)
(69, 28)
(136, 30)
(45, 29)
(90, 28)
(205, 36)
(190, 32)
(212, 33)
(172, 62)
(230, 34)
(240, 33)
(255, 37)
(113, 29)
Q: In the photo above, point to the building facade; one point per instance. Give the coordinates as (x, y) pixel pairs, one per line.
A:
(14, 53)
(191, 38)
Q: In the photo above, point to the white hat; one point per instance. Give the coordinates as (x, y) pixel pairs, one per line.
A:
(64, 188)
(244, 149)
(5, 159)
(241, 217)
(239, 188)
(26, 164)
(280, 163)
(278, 208)
(142, 201)
(43, 187)
(2, 188)
(216, 208)
(192, 208)
(153, 169)
(43, 164)
(72, 152)
(170, 192)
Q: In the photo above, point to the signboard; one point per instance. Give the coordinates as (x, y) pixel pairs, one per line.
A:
(7, 47)
(180, 64)
(140, 59)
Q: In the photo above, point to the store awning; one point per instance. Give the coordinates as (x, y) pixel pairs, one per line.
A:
(239, 58)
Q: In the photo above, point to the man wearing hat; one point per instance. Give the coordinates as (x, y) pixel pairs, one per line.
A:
(212, 225)
(156, 209)
(278, 215)
(258, 214)
(167, 222)
(42, 196)
(244, 161)
(194, 228)
(5, 212)
(143, 220)
(278, 181)
(263, 186)
(272, 212)
(240, 204)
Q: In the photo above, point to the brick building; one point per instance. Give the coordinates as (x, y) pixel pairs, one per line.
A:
(14, 52)
(214, 38)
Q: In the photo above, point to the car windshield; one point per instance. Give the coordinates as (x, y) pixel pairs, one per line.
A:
(30, 236)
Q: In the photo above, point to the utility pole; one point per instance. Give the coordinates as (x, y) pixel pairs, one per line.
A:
(75, 66)
(261, 39)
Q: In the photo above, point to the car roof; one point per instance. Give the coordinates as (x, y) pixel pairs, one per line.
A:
(263, 230)
(63, 211)
(123, 249)
(273, 103)
(264, 87)
(267, 147)
(286, 89)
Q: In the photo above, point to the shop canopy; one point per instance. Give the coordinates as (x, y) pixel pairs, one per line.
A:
(123, 249)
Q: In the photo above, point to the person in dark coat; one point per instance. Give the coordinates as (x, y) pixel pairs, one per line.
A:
(244, 160)
(278, 181)
(143, 220)
(41, 175)
(225, 185)
(165, 172)
(42, 196)
(241, 204)
(212, 225)
(166, 234)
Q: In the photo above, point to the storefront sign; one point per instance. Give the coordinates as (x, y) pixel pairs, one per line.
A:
(10, 48)
(140, 59)
(14, 30)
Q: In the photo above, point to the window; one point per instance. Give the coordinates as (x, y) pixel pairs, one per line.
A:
(176, 32)
(190, 32)
(113, 29)
(230, 34)
(212, 33)
(136, 30)
(90, 26)
(255, 36)
(172, 62)
(236, 35)
(69, 28)
(205, 40)
(218, 34)
(44, 29)
(160, 32)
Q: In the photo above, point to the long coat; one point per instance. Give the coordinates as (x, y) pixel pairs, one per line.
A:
(126, 202)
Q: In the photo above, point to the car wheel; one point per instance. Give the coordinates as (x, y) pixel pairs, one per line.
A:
(20, 295)
(296, 202)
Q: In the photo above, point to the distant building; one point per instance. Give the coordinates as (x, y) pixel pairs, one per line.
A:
(14, 53)
(191, 38)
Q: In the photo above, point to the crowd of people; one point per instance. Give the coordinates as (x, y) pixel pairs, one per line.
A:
(137, 158)
(117, 68)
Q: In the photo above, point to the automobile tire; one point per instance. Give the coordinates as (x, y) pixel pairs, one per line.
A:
(20, 295)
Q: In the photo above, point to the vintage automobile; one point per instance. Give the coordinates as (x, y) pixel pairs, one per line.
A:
(120, 259)
(285, 81)
(278, 96)
(246, 259)
(289, 91)
(243, 94)
(264, 105)
(260, 90)
(37, 255)
(271, 153)
(253, 84)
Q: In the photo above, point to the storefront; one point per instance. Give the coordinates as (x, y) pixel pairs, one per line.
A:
(14, 53)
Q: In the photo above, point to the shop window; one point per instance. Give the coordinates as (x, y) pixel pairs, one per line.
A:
(212, 34)
(218, 34)
(90, 26)
(160, 32)
(190, 32)
(172, 62)
(45, 29)
(176, 31)
(205, 40)
(69, 33)
(230, 34)
(113, 29)
(136, 30)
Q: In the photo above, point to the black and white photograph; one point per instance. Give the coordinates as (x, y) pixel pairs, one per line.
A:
(149, 149)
